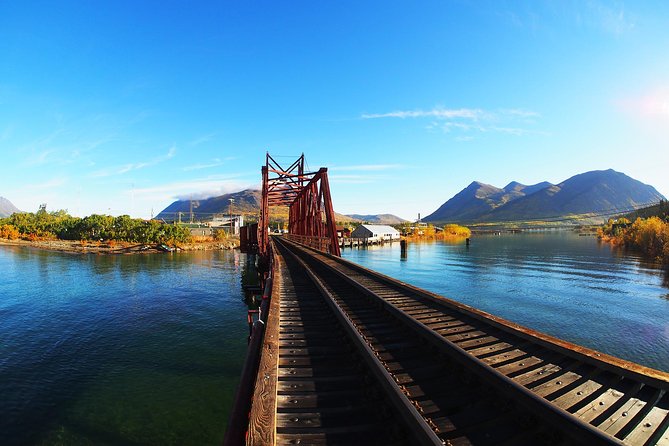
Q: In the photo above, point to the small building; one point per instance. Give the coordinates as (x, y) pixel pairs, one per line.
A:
(201, 231)
(228, 224)
(375, 233)
(343, 231)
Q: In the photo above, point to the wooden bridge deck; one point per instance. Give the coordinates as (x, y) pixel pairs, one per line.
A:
(354, 357)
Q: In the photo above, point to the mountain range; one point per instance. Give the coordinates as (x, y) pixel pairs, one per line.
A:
(603, 193)
(246, 202)
(600, 192)
(7, 208)
(384, 219)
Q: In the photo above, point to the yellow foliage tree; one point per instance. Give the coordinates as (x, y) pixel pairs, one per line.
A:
(454, 230)
(651, 235)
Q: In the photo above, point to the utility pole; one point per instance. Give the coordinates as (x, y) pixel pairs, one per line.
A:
(232, 200)
(193, 205)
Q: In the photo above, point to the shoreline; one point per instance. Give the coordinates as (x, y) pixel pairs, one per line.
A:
(116, 248)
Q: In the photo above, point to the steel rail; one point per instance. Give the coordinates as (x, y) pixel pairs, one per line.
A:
(561, 419)
(416, 423)
(620, 366)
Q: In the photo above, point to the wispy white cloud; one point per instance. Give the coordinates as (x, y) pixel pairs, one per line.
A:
(468, 120)
(39, 158)
(443, 113)
(39, 148)
(125, 168)
(64, 145)
(518, 131)
(610, 18)
(519, 112)
(197, 188)
(201, 139)
(214, 163)
(448, 127)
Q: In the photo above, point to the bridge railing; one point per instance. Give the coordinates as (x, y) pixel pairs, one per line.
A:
(238, 420)
(320, 243)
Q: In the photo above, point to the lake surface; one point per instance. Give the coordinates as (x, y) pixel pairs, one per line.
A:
(571, 287)
(147, 349)
(142, 349)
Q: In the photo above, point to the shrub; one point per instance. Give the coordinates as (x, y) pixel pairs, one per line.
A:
(453, 230)
(220, 235)
(43, 225)
(647, 235)
(9, 232)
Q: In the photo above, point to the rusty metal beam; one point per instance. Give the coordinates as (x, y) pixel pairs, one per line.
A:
(307, 195)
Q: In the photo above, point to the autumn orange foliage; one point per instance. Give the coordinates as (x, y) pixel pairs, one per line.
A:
(449, 231)
(9, 232)
(649, 235)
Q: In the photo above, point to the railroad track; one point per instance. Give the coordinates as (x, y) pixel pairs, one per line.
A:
(324, 394)
(455, 375)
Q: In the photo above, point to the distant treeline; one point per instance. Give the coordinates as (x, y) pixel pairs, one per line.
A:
(46, 225)
(649, 233)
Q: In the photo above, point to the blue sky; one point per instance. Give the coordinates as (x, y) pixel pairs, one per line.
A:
(123, 107)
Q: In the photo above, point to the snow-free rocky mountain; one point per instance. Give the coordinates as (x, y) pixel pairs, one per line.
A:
(7, 208)
(598, 191)
(246, 202)
(381, 219)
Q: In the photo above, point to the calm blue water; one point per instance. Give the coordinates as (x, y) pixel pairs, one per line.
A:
(141, 349)
(147, 349)
(568, 286)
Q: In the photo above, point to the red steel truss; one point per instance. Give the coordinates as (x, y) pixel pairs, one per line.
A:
(307, 194)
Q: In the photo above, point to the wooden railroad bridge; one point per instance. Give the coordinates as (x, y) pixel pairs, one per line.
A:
(345, 355)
